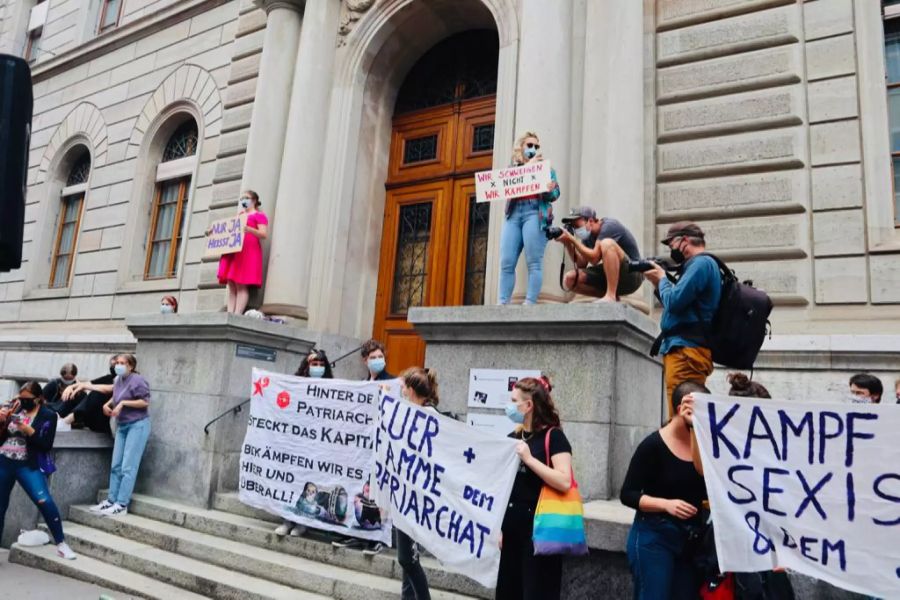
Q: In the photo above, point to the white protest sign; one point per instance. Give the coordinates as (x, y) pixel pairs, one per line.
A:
(494, 424)
(226, 236)
(306, 454)
(491, 388)
(446, 484)
(512, 182)
(813, 487)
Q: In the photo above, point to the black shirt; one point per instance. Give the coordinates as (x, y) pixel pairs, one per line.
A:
(527, 486)
(656, 472)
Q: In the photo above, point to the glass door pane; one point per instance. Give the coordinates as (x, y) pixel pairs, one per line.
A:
(411, 263)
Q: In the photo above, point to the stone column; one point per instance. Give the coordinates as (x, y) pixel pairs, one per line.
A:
(543, 105)
(287, 285)
(273, 96)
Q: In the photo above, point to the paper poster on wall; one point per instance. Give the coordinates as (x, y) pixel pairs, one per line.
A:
(512, 182)
(492, 423)
(307, 453)
(226, 236)
(490, 388)
(810, 486)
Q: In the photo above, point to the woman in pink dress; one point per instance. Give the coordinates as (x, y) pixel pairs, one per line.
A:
(242, 269)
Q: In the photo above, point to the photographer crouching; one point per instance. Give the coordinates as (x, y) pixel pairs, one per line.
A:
(601, 249)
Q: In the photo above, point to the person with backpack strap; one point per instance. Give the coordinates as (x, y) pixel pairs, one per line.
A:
(689, 306)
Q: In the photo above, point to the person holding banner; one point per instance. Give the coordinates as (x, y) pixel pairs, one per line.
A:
(242, 269)
(667, 492)
(524, 576)
(527, 219)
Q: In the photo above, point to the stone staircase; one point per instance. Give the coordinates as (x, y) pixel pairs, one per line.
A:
(169, 551)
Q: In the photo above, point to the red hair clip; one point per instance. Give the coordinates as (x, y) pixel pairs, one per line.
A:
(545, 382)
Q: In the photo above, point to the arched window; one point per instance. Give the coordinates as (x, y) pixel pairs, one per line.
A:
(69, 222)
(173, 182)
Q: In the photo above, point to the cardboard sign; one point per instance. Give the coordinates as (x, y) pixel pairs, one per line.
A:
(307, 453)
(226, 236)
(809, 486)
(447, 485)
(512, 182)
(491, 388)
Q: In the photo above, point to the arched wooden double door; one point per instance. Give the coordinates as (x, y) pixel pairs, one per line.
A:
(434, 242)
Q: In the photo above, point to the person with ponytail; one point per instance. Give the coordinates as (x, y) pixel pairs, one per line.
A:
(524, 576)
(27, 432)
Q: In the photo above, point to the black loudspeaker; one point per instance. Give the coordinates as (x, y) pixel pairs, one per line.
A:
(16, 103)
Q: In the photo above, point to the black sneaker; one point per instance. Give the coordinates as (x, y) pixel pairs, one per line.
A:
(350, 543)
(373, 549)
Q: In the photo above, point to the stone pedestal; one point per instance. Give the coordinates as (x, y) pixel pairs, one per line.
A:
(607, 389)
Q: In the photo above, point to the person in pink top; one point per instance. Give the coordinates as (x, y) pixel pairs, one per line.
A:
(242, 269)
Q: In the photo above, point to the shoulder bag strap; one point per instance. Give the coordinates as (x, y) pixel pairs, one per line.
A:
(547, 454)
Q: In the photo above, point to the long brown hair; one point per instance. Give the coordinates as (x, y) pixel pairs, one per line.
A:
(423, 382)
(545, 414)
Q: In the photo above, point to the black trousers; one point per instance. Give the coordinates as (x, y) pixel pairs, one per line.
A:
(415, 583)
(90, 412)
(524, 576)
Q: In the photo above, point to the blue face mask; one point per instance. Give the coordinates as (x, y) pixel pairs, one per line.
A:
(513, 413)
(376, 365)
(316, 371)
(120, 370)
(530, 152)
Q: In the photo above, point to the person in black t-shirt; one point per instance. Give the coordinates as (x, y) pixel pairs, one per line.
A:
(667, 492)
(524, 576)
(88, 404)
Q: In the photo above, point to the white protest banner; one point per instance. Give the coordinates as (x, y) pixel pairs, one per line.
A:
(447, 485)
(809, 486)
(512, 182)
(307, 450)
(226, 236)
(491, 388)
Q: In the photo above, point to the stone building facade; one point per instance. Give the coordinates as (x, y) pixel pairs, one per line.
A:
(767, 121)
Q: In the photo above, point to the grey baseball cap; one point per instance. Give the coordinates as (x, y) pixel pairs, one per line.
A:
(580, 212)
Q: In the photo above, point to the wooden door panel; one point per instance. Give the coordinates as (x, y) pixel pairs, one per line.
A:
(422, 148)
(406, 349)
(475, 136)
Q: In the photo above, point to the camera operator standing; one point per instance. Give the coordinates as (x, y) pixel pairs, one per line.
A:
(602, 248)
(689, 305)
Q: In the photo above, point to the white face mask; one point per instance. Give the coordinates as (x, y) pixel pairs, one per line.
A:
(859, 399)
(166, 309)
(245, 203)
(583, 233)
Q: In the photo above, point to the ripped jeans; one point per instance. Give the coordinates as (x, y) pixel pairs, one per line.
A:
(35, 485)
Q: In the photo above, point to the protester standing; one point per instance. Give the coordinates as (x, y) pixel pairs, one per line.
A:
(524, 228)
(27, 432)
(243, 269)
(419, 386)
(373, 357)
(130, 405)
(689, 306)
(667, 492)
(522, 575)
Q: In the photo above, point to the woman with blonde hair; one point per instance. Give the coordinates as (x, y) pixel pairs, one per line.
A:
(527, 219)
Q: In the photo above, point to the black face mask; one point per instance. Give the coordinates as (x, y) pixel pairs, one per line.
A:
(112, 369)
(27, 404)
(677, 255)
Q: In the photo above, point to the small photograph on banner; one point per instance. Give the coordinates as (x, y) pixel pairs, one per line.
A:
(491, 388)
(512, 182)
(226, 236)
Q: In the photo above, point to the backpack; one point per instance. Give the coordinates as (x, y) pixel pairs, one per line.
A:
(740, 323)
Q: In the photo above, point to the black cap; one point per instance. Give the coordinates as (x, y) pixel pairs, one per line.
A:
(683, 229)
(580, 212)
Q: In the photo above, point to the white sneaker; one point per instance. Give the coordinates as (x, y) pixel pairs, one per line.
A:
(99, 508)
(283, 529)
(297, 530)
(116, 510)
(65, 552)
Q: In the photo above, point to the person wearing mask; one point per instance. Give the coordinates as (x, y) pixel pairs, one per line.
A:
(373, 358)
(243, 269)
(418, 386)
(865, 388)
(168, 305)
(522, 575)
(667, 492)
(689, 306)
(601, 249)
(27, 431)
(53, 391)
(130, 405)
(524, 228)
(89, 409)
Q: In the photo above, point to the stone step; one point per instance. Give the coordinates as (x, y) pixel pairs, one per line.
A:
(98, 572)
(182, 571)
(327, 579)
(315, 545)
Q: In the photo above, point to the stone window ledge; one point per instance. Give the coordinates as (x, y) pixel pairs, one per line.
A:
(152, 285)
(47, 293)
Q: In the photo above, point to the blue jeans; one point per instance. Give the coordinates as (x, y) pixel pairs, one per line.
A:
(131, 439)
(35, 485)
(522, 229)
(659, 568)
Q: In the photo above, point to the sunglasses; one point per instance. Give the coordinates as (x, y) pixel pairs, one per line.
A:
(535, 146)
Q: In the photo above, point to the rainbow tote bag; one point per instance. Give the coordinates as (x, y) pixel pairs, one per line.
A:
(559, 518)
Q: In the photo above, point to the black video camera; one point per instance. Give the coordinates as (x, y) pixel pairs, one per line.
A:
(645, 264)
(554, 232)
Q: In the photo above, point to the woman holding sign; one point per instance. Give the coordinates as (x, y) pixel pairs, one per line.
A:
(242, 269)
(527, 219)
(524, 576)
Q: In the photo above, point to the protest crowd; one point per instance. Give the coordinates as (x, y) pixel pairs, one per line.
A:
(670, 550)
